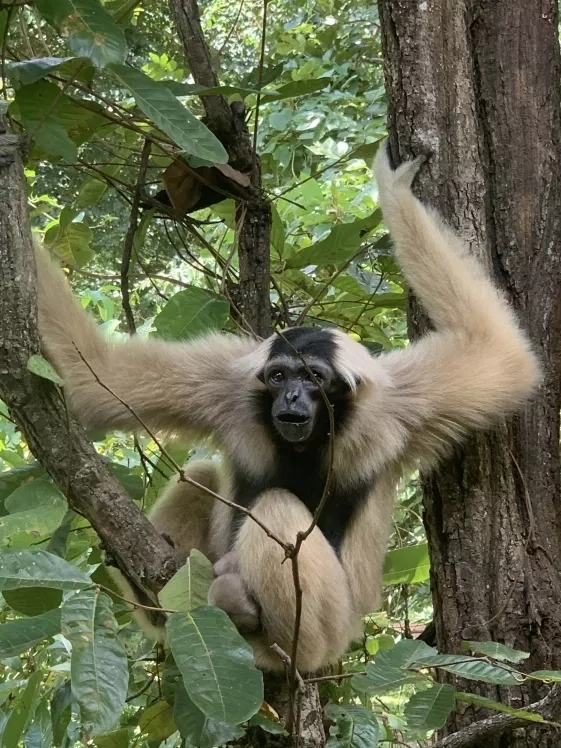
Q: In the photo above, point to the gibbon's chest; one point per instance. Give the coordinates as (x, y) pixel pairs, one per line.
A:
(304, 475)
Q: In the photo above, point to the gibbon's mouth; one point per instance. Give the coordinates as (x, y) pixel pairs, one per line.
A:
(293, 418)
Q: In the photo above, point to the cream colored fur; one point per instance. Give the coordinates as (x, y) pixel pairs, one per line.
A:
(411, 405)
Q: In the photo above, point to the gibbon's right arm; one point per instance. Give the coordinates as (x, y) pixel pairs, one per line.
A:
(171, 386)
(477, 364)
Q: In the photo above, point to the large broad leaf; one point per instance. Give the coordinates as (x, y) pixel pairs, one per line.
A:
(216, 664)
(429, 710)
(89, 29)
(72, 244)
(20, 635)
(476, 700)
(496, 651)
(407, 565)
(191, 312)
(342, 244)
(36, 508)
(54, 120)
(195, 727)
(167, 113)
(123, 738)
(29, 71)
(99, 668)
(470, 668)
(11, 479)
(33, 568)
(61, 712)
(356, 727)
(188, 588)
(22, 712)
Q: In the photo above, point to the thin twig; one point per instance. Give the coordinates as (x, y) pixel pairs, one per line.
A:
(254, 168)
(130, 235)
(134, 603)
(142, 690)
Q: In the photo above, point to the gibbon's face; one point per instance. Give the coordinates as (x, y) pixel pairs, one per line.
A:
(300, 367)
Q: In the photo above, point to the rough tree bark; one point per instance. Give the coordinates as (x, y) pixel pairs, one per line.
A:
(53, 435)
(476, 83)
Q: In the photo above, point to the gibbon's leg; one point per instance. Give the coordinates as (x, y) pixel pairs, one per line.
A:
(327, 622)
(182, 513)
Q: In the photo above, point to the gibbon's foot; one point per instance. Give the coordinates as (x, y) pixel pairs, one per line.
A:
(229, 593)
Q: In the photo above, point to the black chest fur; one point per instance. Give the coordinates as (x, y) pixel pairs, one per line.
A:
(304, 475)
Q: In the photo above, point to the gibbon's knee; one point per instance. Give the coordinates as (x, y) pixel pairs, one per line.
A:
(183, 511)
(183, 514)
(327, 622)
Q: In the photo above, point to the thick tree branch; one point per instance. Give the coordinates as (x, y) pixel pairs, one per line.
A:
(470, 737)
(53, 435)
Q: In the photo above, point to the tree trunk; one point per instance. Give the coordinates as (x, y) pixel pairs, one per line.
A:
(476, 84)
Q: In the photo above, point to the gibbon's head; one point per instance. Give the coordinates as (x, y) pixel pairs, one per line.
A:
(303, 361)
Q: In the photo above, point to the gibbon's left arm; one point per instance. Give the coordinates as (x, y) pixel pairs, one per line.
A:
(477, 364)
(171, 386)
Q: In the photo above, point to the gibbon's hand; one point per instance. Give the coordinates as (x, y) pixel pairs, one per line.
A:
(229, 593)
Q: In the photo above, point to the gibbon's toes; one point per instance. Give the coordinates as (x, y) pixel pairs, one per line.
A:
(229, 593)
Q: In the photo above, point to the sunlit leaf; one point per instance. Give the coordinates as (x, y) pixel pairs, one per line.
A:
(89, 29)
(166, 112)
(356, 727)
(408, 565)
(99, 664)
(191, 312)
(429, 710)
(156, 722)
(188, 588)
(216, 664)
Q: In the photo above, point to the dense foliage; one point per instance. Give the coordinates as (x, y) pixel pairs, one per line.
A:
(102, 91)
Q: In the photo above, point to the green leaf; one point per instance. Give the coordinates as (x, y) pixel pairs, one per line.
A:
(30, 71)
(34, 568)
(496, 651)
(61, 712)
(89, 29)
(99, 667)
(367, 151)
(157, 723)
(341, 245)
(94, 188)
(42, 368)
(34, 495)
(471, 669)
(20, 635)
(195, 727)
(33, 601)
(188, 588)
(191, 312)
(483, 702)
(429, 710)
(72, 244)
(122, 738)
(273, 728)
(553, 676)
(294, 89)
(356, 727)
(40, 733)
(167, 113)
(22, 712)
(216, 664)
(387, 672)
(407, 565)
(11, 479)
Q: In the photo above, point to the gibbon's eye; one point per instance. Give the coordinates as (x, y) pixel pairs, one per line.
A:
(317, 376)
(276, 377)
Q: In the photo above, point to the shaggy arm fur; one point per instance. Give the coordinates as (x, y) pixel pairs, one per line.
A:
(171, 386)
(477, 364)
